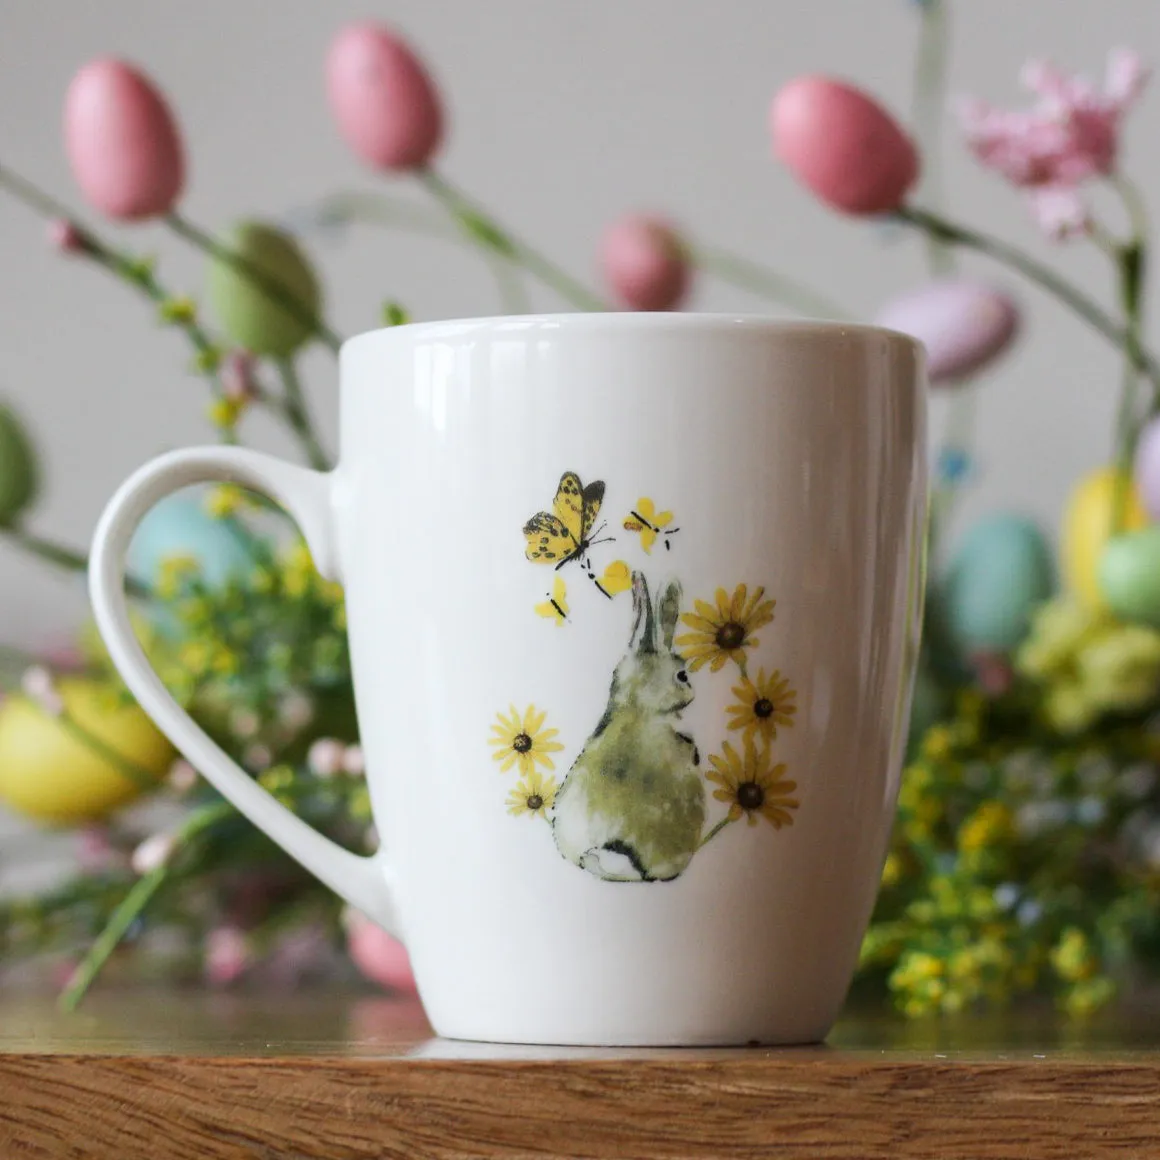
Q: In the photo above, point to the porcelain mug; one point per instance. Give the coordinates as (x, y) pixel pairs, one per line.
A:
(633, 605)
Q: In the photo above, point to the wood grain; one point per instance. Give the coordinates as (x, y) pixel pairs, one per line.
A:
(316, 1090)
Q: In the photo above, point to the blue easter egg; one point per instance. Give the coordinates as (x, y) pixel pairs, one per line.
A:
(1002, 570)
(180, 526)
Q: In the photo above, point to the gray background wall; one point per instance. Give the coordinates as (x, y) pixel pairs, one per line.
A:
(563, 115)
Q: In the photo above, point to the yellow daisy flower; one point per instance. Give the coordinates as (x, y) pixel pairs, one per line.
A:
(722, 633)
(752, 786)
(763, 705)
(535, 795)
(645, 518)
(523, 741)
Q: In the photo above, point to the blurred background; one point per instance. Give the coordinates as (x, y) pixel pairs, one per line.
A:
(562, 118)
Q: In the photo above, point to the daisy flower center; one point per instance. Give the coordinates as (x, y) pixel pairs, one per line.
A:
(522, 743)
(535, 802)
(750, 796)
(763, 708)
(730, 635)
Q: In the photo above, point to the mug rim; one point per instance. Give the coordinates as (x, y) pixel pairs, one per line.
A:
(635, 320)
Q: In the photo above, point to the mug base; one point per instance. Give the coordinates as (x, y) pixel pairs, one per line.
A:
(459, 1040)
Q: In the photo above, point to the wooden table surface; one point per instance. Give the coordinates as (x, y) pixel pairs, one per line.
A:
(188, 1074)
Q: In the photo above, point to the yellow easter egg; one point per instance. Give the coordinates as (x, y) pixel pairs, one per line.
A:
(1087, 527)
(49, 774)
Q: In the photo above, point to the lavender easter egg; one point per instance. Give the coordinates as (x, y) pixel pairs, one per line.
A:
(19, 470)
(1003, 569)
(384, 102)
(251, 314)
(843, 145)
(1129, 576)
(122, 142)
(644, 263)
(1147, 468)
(964, 325)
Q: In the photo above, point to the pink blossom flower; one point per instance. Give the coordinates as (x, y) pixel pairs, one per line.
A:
(1070, 136)
(95, 852)
(64, 236)
(238, 381)
(227, 955)
(182, 777)
(38, 684)
(326, 757)
(153, 853)
(353, 761)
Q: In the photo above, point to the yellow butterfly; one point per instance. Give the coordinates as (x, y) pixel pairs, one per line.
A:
(556, 606)
(565, 533)
(644, 518)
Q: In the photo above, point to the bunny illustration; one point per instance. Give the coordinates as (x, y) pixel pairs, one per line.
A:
(632, 806)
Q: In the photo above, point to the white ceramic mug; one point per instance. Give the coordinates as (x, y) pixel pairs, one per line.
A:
(634, 605)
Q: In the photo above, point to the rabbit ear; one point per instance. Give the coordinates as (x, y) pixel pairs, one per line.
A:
(644, 631)
(670, 611)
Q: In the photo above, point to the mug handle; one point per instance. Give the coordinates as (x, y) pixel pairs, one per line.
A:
(306, 495)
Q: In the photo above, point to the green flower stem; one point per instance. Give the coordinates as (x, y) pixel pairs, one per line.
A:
(59, 555)
(138, 274)
(134, 272)
(133, 905)
(929, 105)
(928, 109)
(483, 230)
(62, 556)
(1041, 275)
(298, 416)
(270, 286)
(715, 831)
(1131, 267)
(765, 283)
(395, 213)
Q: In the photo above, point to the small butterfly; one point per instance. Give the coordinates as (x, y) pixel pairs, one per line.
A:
(644, 518)
(556, 606)
(566, 532)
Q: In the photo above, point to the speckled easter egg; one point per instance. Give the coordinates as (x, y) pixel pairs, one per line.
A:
(382, 98)
(122, 142)
(843, 145)
(19, 472)
(1129, 576)
(49, 775)
(254, 317)
(1147, 468)
(1001, 571)
(180, 526)
(644, 263)
(1087, 526)
(963, 324)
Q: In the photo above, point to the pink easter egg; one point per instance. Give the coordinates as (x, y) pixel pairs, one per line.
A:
(122, 142)
(383, 99)
(1147, 471)
(964, 325)
(379, 957)
(843, 145)
(644, 263)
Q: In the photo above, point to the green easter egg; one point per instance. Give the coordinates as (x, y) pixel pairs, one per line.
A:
(1001, 572)
(19, 473)
(258, 318)
(1129, 576)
